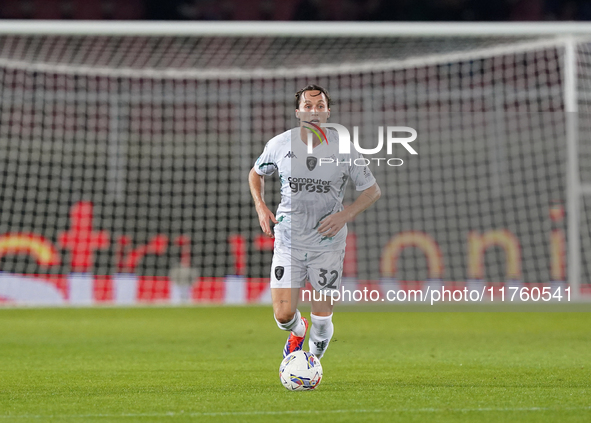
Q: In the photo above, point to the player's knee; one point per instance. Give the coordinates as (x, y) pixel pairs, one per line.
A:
(284, 316)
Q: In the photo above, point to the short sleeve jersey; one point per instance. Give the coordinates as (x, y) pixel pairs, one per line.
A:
(312, 187)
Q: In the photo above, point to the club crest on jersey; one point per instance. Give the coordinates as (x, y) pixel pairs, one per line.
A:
(311, 162)
(279, 270)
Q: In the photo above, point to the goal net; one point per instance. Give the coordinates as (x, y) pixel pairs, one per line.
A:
(124, 160)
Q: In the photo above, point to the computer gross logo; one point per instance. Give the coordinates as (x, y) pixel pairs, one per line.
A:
(308, 185)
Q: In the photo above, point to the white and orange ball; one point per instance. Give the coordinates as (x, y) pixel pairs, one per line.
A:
(300, 371)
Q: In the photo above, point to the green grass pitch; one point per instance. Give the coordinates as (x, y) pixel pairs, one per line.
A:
(218, 364)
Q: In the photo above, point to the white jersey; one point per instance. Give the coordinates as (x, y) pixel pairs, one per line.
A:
(310, 189)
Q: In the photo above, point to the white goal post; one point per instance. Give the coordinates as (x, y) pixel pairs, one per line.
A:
(147, 130)
(290, 29)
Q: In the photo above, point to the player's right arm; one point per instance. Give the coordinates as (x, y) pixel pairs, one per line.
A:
(257, 189)
(265, 165)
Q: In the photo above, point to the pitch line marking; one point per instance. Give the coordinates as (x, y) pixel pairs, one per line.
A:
(288, 412)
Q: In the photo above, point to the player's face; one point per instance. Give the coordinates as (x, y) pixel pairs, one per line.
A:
(313, 108)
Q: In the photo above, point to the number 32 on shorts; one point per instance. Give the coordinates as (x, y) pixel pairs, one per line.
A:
(328, 282)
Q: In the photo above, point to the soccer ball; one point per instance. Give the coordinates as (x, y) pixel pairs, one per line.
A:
(300, 371)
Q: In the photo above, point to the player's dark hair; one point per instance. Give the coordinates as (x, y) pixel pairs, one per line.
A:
(311, 87)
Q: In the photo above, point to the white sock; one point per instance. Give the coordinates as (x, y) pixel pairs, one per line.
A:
(320, 334)
(295, 325)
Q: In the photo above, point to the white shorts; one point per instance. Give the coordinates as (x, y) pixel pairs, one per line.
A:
(291, 268)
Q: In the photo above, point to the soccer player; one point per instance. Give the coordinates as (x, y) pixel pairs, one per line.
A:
(311, 223)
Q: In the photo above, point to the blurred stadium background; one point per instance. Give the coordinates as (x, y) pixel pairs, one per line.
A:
(125, 148)
(304, 10)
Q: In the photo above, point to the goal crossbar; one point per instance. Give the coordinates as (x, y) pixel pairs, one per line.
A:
(289, 29)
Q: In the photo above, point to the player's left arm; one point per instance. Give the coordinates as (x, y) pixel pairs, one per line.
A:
(334, 223)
